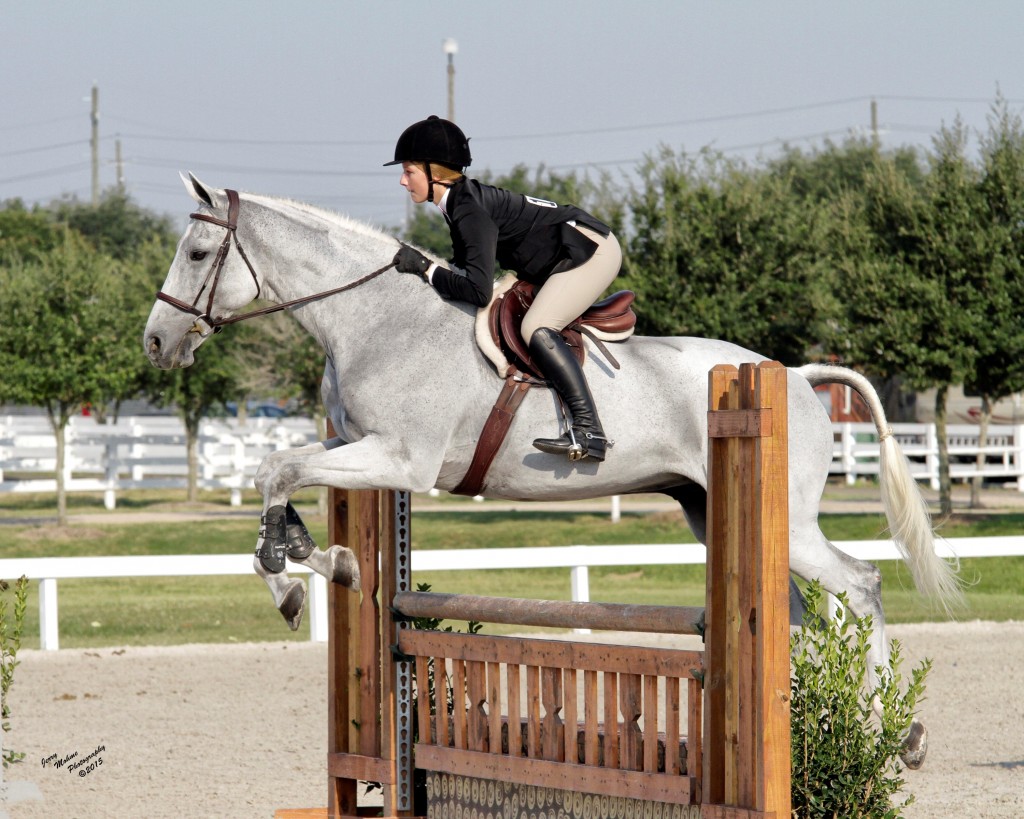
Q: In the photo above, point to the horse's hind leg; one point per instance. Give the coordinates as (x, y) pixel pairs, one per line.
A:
(693, 499)
(813, 557)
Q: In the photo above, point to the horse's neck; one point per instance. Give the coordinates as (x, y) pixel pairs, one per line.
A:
(308, 251)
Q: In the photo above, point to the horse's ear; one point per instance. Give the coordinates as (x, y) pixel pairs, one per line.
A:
(203, 194)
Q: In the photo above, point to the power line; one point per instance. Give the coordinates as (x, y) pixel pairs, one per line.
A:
(971, 100)
(765, 112)
(41, 148)
(156, 162)
(327, 143)
(42, 174)
(25, 125)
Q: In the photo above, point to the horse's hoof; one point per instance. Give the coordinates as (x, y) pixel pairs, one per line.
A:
(915, 746)
(293, 604)
(345, 568)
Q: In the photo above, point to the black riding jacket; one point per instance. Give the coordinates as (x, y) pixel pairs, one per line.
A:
(531, 237)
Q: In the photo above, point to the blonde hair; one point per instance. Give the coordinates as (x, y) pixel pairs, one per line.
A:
(439, 172)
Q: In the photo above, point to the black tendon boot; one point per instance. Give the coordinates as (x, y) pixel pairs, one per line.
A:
(558, 364)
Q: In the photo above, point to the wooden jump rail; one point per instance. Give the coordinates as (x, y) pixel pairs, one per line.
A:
(552, 613)
(584, 724)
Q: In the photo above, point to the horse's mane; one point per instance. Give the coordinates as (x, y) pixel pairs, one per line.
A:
(293, 209)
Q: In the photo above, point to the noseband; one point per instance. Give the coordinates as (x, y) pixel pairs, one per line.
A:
(213, 277)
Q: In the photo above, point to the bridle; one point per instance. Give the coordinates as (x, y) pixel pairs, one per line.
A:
(213, 277)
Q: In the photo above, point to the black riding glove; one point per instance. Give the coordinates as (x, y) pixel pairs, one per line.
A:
(410, 260)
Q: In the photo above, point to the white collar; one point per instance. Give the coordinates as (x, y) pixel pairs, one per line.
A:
(444, 201)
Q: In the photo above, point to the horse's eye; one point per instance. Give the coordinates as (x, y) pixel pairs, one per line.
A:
(197, 255)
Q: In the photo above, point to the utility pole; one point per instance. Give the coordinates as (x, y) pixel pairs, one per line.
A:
(874, 124)
(119, 165)
(95, 143)
(451, 48)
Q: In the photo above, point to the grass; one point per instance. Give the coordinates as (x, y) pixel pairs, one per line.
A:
(158, 611)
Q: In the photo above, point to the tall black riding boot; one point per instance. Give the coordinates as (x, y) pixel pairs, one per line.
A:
(586, 439)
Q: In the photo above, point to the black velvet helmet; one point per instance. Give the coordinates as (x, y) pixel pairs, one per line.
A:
(433, 140)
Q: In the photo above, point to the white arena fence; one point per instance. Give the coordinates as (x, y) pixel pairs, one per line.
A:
(148, 452)
(578, 559)
(855, 451)
(144, 452)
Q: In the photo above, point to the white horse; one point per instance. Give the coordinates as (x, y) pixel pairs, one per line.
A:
(408, 390)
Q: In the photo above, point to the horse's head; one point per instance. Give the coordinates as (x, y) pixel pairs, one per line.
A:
(207, 282)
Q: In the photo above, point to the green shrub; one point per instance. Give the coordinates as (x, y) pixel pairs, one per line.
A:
(845, 757)
(10, 643)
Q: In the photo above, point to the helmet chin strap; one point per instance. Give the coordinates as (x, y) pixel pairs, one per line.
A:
(431, 182)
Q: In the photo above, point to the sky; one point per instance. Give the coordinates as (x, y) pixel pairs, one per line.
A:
(306, 98)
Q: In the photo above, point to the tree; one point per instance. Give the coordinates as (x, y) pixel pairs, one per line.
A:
(722, 251)
(61, 335)
(215, 377)
(116, 226)
(26, 234)
(906, 257)
(999, 364)
(820, 175)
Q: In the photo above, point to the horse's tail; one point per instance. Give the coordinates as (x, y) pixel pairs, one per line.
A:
(905, 508)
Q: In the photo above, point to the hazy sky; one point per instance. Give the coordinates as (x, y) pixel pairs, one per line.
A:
(306, 98)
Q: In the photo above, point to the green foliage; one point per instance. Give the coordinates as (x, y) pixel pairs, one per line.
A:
(427, 229)
(62, 323)
(724, 251)
(822, 174)
(116, 226)
(999, 292)
(214, 378)
(26, 234)
(845, 757)
(433, 624)
(10, 644)
(297, 363)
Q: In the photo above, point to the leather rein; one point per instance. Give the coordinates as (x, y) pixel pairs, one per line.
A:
(213, 277)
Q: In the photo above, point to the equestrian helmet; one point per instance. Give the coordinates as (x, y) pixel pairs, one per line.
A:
(433, 140)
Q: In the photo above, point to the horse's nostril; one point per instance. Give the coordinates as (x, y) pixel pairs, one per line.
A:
(154, 344)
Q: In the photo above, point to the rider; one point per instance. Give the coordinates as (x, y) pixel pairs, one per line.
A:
(571, 257)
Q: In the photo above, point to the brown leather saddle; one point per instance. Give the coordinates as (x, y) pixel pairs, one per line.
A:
(611, 316)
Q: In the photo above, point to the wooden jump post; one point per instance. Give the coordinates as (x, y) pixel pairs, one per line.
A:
(577, 727)
(746, 683)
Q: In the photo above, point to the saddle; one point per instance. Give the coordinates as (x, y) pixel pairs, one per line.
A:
(500, 338)
(611, 319)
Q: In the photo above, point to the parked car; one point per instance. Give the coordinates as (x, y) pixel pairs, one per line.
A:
(258, 409)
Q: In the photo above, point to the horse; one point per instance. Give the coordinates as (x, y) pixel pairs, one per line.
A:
(408, 390)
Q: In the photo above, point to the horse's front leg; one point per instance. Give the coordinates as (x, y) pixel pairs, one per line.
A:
(283, 534)
(272, 462)
(289, 593)
(362, 465)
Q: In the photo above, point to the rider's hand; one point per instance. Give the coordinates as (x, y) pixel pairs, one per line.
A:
(410, 260)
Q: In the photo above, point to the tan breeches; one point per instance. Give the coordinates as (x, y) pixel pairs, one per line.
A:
(566, 295)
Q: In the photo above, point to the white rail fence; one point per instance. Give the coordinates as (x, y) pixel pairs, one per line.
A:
(146, 452)
(855, 451)
(578, 559)
(149, 452)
